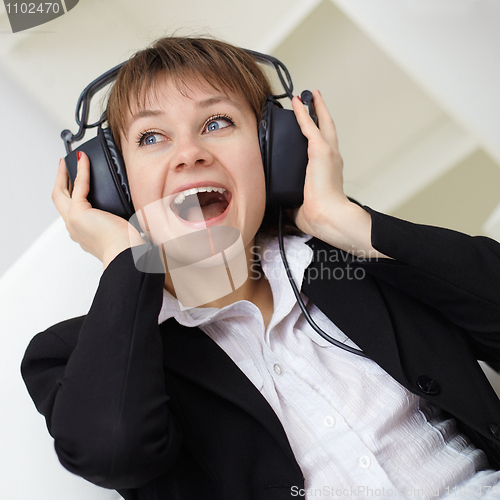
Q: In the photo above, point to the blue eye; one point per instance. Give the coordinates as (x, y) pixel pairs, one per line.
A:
(149, 138)
(218, 122)
(213, 126)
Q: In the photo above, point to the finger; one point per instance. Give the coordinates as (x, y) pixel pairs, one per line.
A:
(62, 178)
(82, 181)
(306, 123)
(325, 121)
(60, 194)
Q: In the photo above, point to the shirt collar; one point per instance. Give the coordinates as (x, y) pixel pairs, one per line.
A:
(299, 256)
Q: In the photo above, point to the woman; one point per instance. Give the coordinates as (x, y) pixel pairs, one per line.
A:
(240, 398)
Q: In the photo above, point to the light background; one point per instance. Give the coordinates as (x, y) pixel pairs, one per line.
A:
(412, 85)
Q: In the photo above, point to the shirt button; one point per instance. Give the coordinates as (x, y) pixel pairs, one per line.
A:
(278, 369)
(364, 461)
(329, 421)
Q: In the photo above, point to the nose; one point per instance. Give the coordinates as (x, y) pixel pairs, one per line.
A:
(191, 151)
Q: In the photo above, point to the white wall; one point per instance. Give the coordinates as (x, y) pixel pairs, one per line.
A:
(29, 151)
(71, 48)
(450, 47)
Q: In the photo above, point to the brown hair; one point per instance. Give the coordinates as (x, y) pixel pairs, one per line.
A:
(184, 59)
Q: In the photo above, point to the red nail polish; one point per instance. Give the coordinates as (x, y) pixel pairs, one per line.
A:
(79, 155)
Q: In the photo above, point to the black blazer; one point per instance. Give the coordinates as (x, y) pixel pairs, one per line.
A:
(162, 412)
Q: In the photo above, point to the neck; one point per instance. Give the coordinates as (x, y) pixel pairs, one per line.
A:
(208, 287)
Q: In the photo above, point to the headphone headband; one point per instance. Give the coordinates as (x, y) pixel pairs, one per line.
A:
(282, 144)
(83, 104)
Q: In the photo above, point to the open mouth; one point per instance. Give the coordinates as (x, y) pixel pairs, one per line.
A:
(203, 203)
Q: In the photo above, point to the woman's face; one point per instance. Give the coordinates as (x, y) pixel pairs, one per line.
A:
(196, 138)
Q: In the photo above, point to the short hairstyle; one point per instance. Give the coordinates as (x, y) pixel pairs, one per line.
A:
(184, 60)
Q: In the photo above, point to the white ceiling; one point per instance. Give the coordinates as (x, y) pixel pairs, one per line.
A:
(412, 84)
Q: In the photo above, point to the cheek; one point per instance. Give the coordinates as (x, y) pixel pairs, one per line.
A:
(254, 169)
(259, 178)
(145, 184)
(136, 185)
(256, 186)
(260, 189)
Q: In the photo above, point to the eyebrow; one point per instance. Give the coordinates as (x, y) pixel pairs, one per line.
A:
(206, 103)
(203, 104)
(144, 114)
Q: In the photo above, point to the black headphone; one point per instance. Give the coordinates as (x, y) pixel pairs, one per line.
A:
(282, 144)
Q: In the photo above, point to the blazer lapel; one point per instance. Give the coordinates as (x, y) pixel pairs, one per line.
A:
(354, 305)
(192, 354)
(337, 283)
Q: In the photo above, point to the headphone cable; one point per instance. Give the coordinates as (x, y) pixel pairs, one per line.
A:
(308, 317)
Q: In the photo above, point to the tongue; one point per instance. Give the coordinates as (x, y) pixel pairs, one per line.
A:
(208, 211)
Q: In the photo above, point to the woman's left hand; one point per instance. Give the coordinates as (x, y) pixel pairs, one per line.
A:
(323, 188)
(326, 212)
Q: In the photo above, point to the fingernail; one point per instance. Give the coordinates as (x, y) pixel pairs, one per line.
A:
(79, 155)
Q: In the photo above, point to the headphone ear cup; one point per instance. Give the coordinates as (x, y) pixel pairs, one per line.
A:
(109, 188)
(263, 134)
(284, 156)
(121, 179)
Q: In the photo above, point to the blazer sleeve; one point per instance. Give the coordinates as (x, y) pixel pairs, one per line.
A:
(455, 273)
(99, 382)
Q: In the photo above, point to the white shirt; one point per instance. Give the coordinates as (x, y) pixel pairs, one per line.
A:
(354, 430)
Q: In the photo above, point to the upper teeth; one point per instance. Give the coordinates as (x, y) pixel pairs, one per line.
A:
(182, 195)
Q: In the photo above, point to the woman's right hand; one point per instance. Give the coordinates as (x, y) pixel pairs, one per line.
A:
(100, 233)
